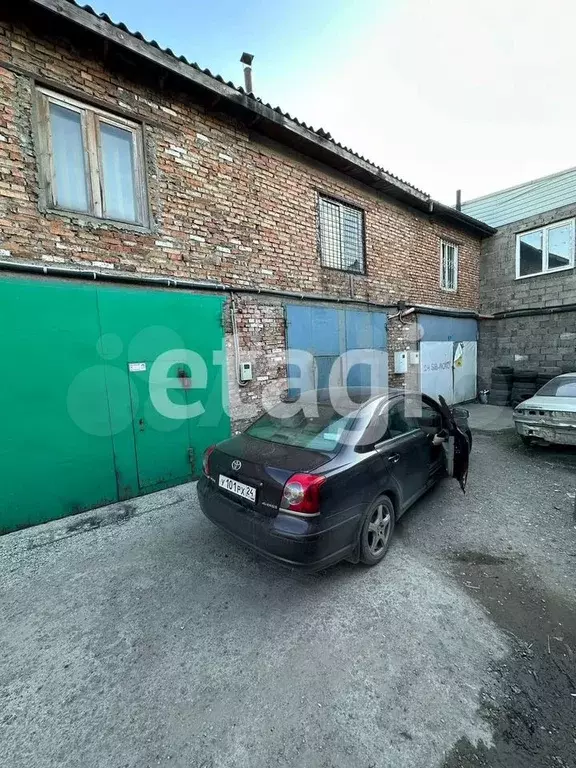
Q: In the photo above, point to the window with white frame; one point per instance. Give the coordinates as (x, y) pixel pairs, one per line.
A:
(547, 249)
(92, 162)
(341, 232)
(448, 266)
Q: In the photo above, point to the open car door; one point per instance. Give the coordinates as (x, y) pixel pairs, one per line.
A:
(457, 446)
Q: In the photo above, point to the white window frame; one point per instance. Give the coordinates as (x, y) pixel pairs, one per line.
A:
(545, 230)
(443, 244)
(91, 118)
(324, 258)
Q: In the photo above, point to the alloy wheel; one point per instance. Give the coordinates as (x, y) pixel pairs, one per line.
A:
(379, 529)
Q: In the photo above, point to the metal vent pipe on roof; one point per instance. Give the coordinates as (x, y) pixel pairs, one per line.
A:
(247, 59)
(458, 199)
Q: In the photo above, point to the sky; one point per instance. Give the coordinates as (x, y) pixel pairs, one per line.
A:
(475, 95)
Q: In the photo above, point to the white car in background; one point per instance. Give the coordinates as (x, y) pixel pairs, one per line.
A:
(549, 416)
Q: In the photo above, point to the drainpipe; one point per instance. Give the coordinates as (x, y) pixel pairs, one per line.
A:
(46, 270)
(401, 314)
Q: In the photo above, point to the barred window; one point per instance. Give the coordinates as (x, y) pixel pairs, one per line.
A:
(448, 266)
(341, 229)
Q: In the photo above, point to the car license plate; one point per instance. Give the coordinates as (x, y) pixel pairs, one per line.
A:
(238, 489)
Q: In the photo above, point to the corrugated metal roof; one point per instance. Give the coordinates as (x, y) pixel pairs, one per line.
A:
(317, 143)
(525, 200)
(318, 131)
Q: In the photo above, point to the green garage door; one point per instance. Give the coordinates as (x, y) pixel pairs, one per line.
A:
(106, 393)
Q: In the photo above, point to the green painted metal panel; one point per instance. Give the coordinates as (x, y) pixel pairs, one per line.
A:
(72, 404)
(167, 331)
(56, 456)
(162, 443)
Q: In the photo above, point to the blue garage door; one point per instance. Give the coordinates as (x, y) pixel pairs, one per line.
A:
(442, 328)
(327, 333)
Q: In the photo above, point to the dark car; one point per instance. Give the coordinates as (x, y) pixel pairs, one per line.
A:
(326, 478)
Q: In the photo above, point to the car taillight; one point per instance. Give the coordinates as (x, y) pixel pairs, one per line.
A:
(302, 494)
(206, 460)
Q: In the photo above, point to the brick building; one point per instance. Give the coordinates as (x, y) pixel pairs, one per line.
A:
(139, 193)
(527, 279)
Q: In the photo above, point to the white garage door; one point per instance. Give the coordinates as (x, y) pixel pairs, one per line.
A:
(436, 361)
(464, 371)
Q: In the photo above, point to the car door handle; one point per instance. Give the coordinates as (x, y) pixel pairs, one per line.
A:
(394, 458)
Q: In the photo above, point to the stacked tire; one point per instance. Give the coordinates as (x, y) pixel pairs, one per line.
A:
(502, 377)
(524, 386)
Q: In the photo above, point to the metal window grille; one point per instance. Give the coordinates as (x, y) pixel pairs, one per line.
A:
(449, 267)
(341, 230)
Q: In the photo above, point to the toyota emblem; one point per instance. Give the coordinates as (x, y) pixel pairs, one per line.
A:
(236, 465)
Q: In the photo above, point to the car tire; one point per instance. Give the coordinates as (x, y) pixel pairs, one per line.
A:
(526, 440)
(522, 394)
(523, 376)
(377, 531)
(501, 400)
(499, 394)
(469, 436)
(497, 383)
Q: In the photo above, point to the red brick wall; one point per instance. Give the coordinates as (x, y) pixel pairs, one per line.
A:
(226, 205)
(262, 342)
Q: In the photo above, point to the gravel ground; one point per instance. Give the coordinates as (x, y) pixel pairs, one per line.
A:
(143, 636)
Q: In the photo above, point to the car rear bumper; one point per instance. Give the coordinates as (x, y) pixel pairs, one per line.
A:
(293, 541)
(552, 433)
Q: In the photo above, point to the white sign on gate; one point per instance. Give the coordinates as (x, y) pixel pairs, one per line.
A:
(436, 361)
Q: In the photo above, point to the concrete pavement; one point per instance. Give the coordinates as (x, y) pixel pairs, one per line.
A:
(490, 418)
(151, 638)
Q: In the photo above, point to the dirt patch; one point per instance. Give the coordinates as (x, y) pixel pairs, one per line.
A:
(120, 514)
(551, 455)
(477, 558)
(534, 716)
(88, 524)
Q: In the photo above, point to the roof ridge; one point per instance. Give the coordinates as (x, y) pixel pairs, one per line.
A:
(319, 131)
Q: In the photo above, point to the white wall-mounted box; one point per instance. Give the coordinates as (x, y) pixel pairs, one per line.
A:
(400, 362)
(245, 371)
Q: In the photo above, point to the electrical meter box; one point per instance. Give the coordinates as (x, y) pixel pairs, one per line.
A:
(245, 371)
(401, 362)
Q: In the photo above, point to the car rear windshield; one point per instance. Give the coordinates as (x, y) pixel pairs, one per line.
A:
(560, 387)
(319, 429)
